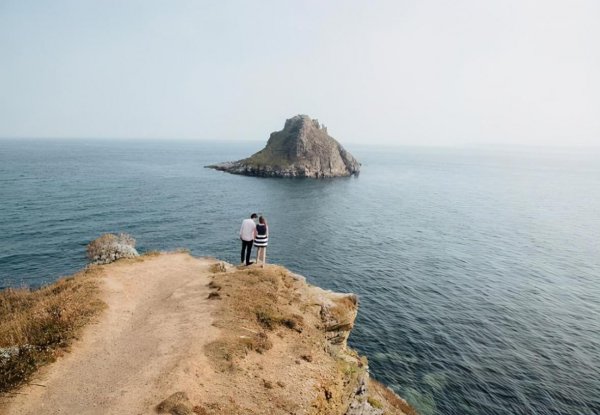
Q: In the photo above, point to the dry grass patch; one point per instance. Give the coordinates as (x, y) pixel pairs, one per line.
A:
(272, 332)
(275, 329)
(37, 325)
(255, 299)
(218, 267)
(254, 315)
(374, 403)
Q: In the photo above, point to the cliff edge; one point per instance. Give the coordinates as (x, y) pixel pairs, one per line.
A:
(184, 335)
(302, 149)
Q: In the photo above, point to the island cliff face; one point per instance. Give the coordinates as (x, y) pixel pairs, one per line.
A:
(302, 149)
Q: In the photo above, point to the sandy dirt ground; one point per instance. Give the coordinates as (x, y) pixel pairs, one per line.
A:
(150, 337)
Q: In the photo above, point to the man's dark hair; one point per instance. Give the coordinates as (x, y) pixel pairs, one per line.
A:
(253, 216)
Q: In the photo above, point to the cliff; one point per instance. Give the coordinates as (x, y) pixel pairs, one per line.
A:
(289, 339)
(184, 335)
(302, 149)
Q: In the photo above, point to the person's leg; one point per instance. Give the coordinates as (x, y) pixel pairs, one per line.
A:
(258, 254)
(243, 250)
(248, 252)
(264, 256)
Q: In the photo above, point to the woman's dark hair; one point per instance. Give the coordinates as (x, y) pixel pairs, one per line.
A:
(262, 220)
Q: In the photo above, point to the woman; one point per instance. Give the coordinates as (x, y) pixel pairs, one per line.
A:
(261, 239)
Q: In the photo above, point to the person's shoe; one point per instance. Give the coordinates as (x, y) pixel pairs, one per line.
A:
(249, 263)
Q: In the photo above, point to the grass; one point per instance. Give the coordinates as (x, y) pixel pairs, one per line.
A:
(218, 267)
(374, 403)
(266, 318)
(36, 326)
(253, 310)
(351, 370)
(269, 317)
(270, 157)
(272, 330)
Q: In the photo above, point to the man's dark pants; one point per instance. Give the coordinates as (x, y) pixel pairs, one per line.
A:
(246, 245)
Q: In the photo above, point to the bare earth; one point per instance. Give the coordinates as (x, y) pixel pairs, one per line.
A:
(151, 337)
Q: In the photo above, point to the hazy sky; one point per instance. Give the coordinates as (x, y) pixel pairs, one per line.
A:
(402, 72)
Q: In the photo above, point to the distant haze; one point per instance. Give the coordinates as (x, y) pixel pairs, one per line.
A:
(390, 72)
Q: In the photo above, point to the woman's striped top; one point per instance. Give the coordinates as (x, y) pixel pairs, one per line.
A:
(262, 236)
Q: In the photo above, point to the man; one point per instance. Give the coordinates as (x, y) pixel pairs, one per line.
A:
(247, 237)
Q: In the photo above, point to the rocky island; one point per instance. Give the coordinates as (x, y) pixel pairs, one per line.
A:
(302, 149)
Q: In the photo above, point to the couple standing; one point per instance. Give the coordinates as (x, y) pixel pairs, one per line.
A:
(257, 233)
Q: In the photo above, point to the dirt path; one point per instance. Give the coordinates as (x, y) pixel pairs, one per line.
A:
(147, 345)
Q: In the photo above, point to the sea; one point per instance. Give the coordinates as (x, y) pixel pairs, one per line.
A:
(477, 269)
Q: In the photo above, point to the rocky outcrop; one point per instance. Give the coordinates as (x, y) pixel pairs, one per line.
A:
(284, 341)
(108, 248)
(338, 312)
(302, 149)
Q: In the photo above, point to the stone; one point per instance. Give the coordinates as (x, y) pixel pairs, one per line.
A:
(302, 149)
(108, 248)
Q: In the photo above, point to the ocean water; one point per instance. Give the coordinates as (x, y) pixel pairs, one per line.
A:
(478, 271)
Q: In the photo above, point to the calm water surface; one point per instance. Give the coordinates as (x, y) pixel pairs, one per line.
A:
(478, 271)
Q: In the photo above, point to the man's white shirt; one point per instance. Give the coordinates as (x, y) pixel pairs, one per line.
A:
(247, 230)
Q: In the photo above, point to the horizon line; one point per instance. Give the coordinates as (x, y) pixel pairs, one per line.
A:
(378, 143)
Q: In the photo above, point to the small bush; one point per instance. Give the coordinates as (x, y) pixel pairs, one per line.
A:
(109, 248)
(374, 403)
(260, 343)
(294, 322)
(17, 364)
(266, 319)
(214, 296)
(218, 267)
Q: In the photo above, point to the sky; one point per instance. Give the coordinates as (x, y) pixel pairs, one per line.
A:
(400, 72)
